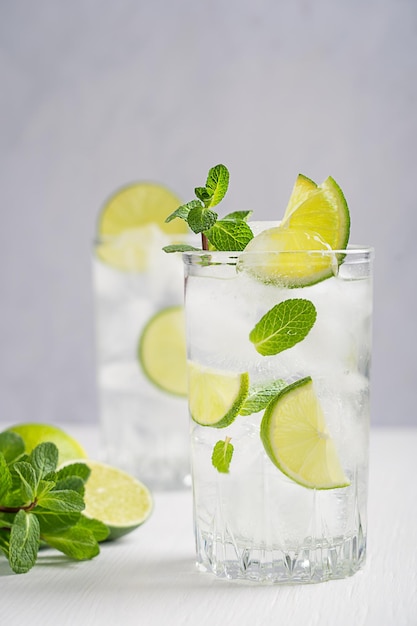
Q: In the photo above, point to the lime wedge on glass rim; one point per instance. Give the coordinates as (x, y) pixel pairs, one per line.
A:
(316, 223)
(215, 396)
(296, 439)
(132, 222)
(162, 351)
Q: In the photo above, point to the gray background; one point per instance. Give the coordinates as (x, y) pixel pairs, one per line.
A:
(95, 94)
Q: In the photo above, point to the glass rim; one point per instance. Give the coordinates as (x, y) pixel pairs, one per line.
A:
(351, 251)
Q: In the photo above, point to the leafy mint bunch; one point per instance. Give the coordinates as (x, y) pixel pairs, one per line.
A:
(40, 505)
(230, 233)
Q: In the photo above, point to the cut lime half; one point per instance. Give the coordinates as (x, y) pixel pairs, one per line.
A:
(296, 439)
(116, 498)
(215, 397)
(162, 351)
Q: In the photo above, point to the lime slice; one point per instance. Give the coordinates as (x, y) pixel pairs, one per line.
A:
(137, 205)
(215, 397)
(295, 437)
(262, 258)
(35, 433)
(311, 230)
(303, 187)
(130, 222)
(162, 351)
(325, 213)
(115, 498)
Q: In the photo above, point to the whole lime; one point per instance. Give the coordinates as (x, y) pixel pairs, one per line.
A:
(36, 433)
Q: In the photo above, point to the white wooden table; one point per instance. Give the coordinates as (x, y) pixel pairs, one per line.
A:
(149, 576)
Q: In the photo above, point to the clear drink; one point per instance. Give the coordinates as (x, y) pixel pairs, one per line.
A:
(255, 522)
(143, 414)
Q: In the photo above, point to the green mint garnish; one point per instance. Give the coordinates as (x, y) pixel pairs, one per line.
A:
(238, 215)
(216, 186)
(179, 247)
(283, 326)
(40, 504)
(227, 234)
(230, 233)
(259, 396)
(222, 455)
(24, 542)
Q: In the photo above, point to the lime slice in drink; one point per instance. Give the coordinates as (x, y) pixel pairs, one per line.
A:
(35, 433)
(115, 498)
(295, 437)
(131, 219)
(321, 223)
(215, 397)
(162, 351)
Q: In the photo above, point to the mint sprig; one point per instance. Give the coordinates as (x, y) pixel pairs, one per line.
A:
(231, 233)
(283, 326)
(42, 505)
(222, 455)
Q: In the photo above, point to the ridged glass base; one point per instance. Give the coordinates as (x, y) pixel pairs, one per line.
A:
(317, 561)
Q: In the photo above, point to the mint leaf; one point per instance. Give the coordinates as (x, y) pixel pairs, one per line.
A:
(44, 458)
(259, 396)
(286, 324)
(74, 469)
(28, 481)
(77, 543)
(11, 446)
(5, 478)
(52, 522)
(217, 183)
(229, 235)
(63, 501)
(73, 483)
(183, 210)
(24, 542)
(238, 215)
(99, 530)
(201, 218)
(204, 195)
(179, 247)
(222, 455)
(4, 541)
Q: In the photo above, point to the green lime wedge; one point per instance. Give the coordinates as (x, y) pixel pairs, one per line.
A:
(162, 351)
(296, 439)
(215, 397)
(298, 252)
(303, 187)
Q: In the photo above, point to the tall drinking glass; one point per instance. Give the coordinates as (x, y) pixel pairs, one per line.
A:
(290, 505)
(141, 359)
